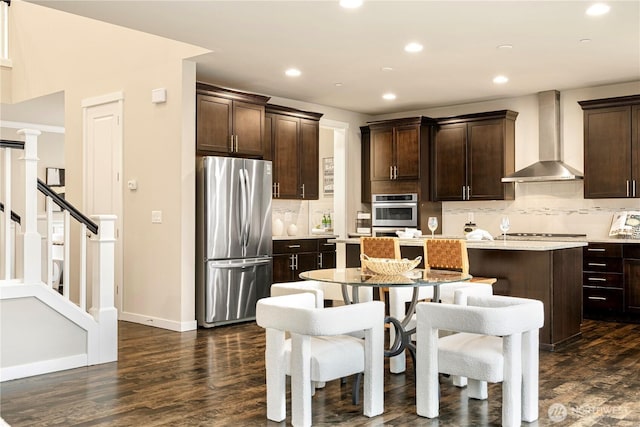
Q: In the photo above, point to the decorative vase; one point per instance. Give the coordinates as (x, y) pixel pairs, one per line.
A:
(278, 227)
(292, 230)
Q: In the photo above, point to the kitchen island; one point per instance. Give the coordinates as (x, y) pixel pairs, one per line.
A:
(547, 271)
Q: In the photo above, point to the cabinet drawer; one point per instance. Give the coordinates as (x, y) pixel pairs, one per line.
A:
(605, 280)
(597, 299)
(324, 246)
(294, 246)
(612, 250)
(610, 265)
(631, 250)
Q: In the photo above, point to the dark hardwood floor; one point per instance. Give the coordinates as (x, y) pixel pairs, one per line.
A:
(215, 377)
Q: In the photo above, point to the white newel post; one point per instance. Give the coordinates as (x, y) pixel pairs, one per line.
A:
(32, 240)
(102, 287)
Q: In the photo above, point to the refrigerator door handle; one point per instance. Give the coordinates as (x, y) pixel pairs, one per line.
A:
(243, 211)
(249, 205)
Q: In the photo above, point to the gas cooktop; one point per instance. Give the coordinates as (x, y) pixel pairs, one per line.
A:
(544, 236)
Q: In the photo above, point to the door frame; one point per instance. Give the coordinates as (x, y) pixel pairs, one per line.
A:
(116, 98)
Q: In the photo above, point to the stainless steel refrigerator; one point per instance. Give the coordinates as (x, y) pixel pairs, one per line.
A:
(233, 238)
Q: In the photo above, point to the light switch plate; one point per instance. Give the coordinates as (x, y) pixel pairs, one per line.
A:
(156, 217)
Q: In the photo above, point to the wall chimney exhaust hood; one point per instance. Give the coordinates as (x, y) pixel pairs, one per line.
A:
(550, 166)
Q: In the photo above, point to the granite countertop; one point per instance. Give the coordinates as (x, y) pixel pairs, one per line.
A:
(509, 245)
(306, 236)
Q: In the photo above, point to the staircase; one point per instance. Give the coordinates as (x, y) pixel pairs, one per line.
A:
(42, 330)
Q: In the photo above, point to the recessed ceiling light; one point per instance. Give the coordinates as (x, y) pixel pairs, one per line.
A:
(338, 84)
(389, 96)
(386, 69)
(505, 46)
(413, 47)
(585, 41)
(500, 79)
(598, 9)
(351, 4)
(293, 72)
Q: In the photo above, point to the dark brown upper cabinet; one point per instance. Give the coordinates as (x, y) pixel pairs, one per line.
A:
(471, 154)
(611, 147)
(230, 123)
(294, 139)
(395, 157)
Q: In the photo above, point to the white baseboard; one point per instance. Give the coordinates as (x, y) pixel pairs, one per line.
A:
(43, 367)
(171, 325)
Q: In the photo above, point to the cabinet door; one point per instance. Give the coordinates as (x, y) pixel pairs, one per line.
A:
(449, 174)
(635, 149)
(485, 159)
(381, 151)
(248, 128)
(309, 159)
(607, 152)
(632, 285)
(306, 261)
(327, 260)
(213, 124)
(407, 152)
(286, 156)
(282, 271)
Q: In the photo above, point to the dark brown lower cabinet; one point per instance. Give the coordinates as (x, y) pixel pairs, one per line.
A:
(294, 256)
(611, 281)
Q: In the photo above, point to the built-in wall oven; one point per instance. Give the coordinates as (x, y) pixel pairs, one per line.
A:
(392, 212)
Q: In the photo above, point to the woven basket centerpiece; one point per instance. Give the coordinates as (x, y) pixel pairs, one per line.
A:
(389, 266)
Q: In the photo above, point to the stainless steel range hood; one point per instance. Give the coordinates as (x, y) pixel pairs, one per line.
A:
(550, 167)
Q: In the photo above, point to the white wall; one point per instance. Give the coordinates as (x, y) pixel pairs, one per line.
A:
(158, 148)
(540, 207)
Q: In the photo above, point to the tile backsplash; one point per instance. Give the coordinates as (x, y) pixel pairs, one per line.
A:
(551, 207)
(305, 214)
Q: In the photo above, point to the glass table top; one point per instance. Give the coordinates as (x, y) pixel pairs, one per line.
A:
(358, 277)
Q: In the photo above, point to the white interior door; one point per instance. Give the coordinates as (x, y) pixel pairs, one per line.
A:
(102, 135)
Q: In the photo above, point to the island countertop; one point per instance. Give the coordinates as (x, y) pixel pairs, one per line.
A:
(509, 245)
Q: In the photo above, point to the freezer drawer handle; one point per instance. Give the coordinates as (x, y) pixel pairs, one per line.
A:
(596, 249)
(596, 279)
(598, 298)
(293, 246)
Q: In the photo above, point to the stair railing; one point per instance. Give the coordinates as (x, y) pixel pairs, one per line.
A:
(98, 229)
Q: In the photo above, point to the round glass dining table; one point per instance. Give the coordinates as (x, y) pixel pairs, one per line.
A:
(416, 278)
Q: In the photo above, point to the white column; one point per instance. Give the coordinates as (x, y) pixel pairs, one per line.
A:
(102, 288)
(4, 32)
(32, 240)
(9, 239)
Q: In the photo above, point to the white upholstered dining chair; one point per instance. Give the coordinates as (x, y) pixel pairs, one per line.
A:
(319, 350)
(497, 341)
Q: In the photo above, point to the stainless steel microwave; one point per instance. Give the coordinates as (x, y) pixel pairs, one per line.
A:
(394, 210)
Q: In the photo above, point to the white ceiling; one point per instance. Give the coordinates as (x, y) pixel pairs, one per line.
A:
(253, 42)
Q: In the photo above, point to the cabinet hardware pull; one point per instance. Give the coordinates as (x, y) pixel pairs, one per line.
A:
(468, 192)
(596, 249)
(395, 172)
(596, 279)
(634, 188)
(320, 260)
(293, 246)
(463, 192)
(328, 244)
(598, 298)
(390, 172)
(231, 143)
(627, 188)
(302, 191)
(292, 265)
(273, 190)
(596, 264)
(296, 261)
(236, 138)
